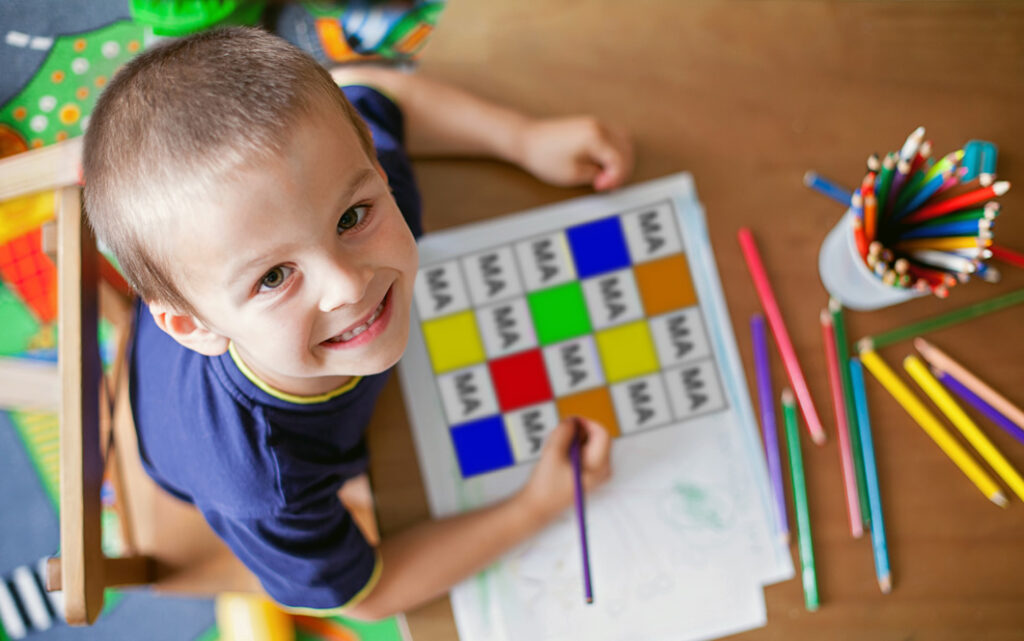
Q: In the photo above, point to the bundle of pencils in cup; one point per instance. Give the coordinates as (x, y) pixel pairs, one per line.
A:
(924, 223)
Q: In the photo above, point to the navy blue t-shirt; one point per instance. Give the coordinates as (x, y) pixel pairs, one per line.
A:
(264, 468)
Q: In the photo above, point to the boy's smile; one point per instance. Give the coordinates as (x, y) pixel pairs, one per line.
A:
(303, 261)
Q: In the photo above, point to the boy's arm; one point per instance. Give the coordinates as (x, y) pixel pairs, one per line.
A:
(428, 559)
(442, 120)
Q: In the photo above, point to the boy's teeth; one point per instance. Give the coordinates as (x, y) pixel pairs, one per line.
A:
(356, 331)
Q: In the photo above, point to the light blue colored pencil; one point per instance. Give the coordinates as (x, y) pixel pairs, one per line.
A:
(871, 476)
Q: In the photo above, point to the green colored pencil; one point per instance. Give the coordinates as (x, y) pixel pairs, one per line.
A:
(843, 353)
(803, 519)
(960, 216)
(885, 181)
(944, 320)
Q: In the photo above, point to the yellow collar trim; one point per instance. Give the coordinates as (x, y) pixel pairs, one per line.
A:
(285, 396)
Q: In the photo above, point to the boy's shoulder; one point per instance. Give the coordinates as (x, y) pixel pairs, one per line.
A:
(212, 437)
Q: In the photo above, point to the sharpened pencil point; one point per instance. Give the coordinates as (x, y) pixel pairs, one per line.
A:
(809, 177)
(865, 345)
(999, 499)
(885, 583)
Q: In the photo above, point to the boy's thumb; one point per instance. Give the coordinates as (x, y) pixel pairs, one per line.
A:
(561, 437)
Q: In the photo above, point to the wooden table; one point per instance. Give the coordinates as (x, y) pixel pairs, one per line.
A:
(747, 96)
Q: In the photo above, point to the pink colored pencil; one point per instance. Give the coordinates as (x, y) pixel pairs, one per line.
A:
(828, 335)
(785, 345)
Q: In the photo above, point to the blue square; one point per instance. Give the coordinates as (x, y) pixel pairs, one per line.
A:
(482, 445)
(598, 247)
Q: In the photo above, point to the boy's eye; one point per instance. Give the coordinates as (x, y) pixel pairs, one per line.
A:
(352, 217)
(275, 277)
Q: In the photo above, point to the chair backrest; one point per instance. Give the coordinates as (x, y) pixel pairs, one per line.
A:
(168, 544)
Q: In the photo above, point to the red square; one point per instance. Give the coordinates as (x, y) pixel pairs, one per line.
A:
(520, 380)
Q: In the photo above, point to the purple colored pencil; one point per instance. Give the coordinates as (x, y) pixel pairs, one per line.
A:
(574, 455)
(766, 397)
(979, 404)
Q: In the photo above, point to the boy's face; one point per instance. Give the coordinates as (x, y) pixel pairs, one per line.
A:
(304, 262)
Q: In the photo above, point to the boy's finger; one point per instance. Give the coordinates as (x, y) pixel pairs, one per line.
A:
(614, 156)
(561, 437)
(597, 443)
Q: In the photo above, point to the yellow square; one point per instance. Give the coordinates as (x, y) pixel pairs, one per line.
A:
(453, 341)
(627, 351)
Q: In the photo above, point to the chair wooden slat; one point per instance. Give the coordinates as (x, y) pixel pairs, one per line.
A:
(81, 476)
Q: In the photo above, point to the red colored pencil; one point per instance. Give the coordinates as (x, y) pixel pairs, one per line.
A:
(958, 202)
(1007, 255)
(828, 335)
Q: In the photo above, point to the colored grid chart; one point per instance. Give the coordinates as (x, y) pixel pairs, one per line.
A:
(598, 319)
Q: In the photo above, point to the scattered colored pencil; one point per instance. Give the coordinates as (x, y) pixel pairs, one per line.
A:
(919, 372)
(771, 309)
(766, 398)
(950, 318)
(979, 404)
(843, 355)
(931, 425)
(842, 428)
(942, 361)
(581, 520)
(803, 518)
(878, 543)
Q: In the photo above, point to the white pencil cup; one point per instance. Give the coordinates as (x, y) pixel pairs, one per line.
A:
(848, 279)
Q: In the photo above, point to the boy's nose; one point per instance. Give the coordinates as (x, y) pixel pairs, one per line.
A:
(343, 284)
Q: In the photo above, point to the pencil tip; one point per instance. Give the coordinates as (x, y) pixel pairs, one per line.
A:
(819, 438)
(865, 345)
(787, 396)
(590, 599)
(809, 177)
(834, 305)
(825, 317)
(885, 583)
(999, 499)
(1000, 187)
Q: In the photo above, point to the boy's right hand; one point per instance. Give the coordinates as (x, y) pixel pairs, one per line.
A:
(551, 486)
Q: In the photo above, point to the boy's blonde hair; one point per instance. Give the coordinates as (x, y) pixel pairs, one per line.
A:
(175, 121)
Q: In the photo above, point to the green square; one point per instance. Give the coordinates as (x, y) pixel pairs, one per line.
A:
(559, 313)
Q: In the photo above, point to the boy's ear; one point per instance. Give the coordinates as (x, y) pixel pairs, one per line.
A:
(188, 330)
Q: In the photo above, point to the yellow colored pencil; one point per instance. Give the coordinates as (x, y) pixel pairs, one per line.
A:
(951, 243)
(931, 425)
(919, 371)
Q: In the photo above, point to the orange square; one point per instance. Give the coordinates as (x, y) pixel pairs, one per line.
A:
(595, 404)
(665, 284)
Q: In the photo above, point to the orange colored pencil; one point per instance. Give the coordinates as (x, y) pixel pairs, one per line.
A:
(870, 216)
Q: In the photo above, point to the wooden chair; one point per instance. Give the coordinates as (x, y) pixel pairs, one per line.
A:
(168, 545)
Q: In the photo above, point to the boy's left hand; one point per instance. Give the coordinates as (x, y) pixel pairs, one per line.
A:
(577, 150)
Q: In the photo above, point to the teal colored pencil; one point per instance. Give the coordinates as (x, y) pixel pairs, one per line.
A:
(803, 518)
(843, 354)
(871, 472)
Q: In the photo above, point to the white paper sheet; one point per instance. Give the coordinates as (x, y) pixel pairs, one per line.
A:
(681, 539)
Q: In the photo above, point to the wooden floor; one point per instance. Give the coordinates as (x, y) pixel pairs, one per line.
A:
(748, 95)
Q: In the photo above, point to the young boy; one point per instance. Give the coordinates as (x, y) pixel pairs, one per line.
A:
(270, 234)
